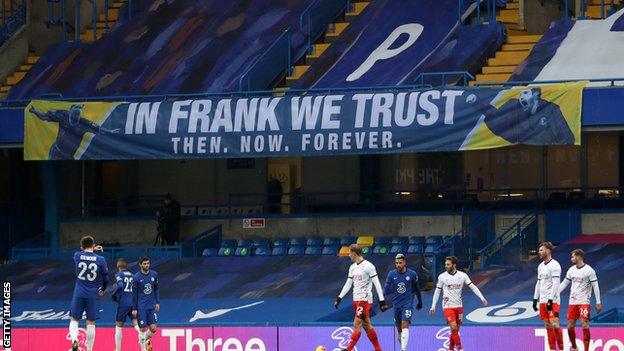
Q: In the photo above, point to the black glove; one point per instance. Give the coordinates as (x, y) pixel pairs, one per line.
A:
(535, 305)
(419, 306)
(383, 306)
(337, 302)
(549, 305)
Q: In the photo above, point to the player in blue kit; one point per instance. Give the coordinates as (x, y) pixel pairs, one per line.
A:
(402, 284)
(91, 282)
(145, 301)
(123, 297)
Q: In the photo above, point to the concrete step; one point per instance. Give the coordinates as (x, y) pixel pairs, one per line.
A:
(113, 15)
(334, 30)
(356, 9)
(32, 59)
(15, 78)
(297, 72)
(517, 47)
(489, 78)
(498, 69)
(515, 32)
(508, 61)
(523, 39)
(317, 51)
(513, 26)
(509, 13)
(512, 54)
(513, 6)
(511, 19)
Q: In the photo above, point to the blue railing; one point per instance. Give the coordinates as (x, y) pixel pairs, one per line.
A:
(424, 78)
(475, 6)
(495, 250)
(612, 82)
(314, 20)
(268, 66)
(13, 18)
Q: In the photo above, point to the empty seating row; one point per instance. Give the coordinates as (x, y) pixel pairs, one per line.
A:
(220, 210)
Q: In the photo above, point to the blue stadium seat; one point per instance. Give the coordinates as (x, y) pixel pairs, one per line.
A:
(434, 239)
(330, 250)
(416, 249)
(395, 249)
(313, 250)
(229, 243)
(226, 251)
(210, 252)
(279, 251)
(383, 240)
(430, 248)
(347, 240)
(314, 241)
(400, 240)
(262, 251)
(280, 242)
(242, 251)
(297, 241)
(331, 241)
(380, 249)
(296, 250)
(417, 240)
(261, 242)
(243, 243)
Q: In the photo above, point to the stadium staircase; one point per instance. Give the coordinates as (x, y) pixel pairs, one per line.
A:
(516, 48)
(86, 36)
(334, 30)
(594, 8)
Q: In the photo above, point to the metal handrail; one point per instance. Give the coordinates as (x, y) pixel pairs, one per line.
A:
(286, 34)
(528, 82)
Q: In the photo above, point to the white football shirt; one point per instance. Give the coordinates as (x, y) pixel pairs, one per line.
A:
(362, 275)
(452, 286)
(581, 279)
(546, 274)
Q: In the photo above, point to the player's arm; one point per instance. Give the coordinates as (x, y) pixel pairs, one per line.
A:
(536, 293)
(593, 279)
(564, 284)
(135, 294)
(41, 115)
(377, 284)
(345, 290)
(104, 275)
(119, 285)
(436, 296)
(475, 290)
(556, 279)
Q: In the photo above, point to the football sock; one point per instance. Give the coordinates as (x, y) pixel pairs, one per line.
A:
(355, 336)
(572, 335)
(118, 336)
(404, 339)
(73, 330)
(372, 336)
(90, 336)
(586, 338)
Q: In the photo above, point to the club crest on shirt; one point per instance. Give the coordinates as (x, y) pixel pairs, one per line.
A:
(148, 289)
(401, 288)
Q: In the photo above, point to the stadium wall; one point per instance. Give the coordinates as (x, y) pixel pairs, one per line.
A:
(12, 53)
(602, 223)
(144, 231)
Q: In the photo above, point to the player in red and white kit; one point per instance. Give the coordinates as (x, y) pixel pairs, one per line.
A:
(451, 283)
(362, 277)
(583, 279)
(547, 294)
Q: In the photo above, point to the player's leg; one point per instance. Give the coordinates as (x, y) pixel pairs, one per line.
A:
(572, 333)
(118, 335)
(586, 333)
(357, 331)
(152, 318)
(93, 312)
(142, 317)
(550, 332)
(75, 312)
(397, 322)
(454, 325)
(558, 332)
(404, 334)
(371, 333)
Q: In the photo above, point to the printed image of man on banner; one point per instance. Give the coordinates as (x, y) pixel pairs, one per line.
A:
(525, 115)
(72, 127)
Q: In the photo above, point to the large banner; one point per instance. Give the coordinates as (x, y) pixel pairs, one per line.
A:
(307, 125)
(332, 338)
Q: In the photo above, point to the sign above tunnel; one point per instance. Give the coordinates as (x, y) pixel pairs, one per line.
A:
(354, 123)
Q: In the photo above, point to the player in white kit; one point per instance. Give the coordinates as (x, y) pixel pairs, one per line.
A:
(362, 277)
(583, 279)
(547, 294)
(451, 283)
